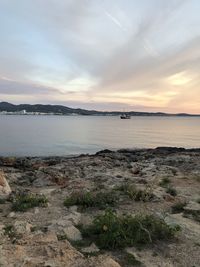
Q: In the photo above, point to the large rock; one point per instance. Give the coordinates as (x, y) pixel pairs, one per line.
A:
(40, 250)
(72, 233)
(22, 227)
(4, 186)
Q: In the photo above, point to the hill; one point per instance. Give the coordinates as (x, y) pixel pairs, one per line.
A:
(63, 110)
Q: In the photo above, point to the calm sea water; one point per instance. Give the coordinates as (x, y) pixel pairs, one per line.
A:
(67, 135)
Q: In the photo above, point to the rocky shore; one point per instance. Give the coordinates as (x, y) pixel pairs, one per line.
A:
(72, 212)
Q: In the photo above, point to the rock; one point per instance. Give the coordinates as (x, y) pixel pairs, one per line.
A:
(48, 191)
(42, 238)
(73, 208)
(42, 179)
(22, 227)
(2, 229)
(4, 186)
(159, 193)
(135, 170)
(105, 151)
(189, 227)
(146, 258)
(169, 197)
(103, 261)
(86, 219)
(91, 249)
(41, 250)
(72, 233)
(36, 210)
(192, 208)
(12, 214)
(74, 217)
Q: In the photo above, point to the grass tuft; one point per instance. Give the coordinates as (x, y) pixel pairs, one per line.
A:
(178, 207)
(10, 231)
(27, 201)
(165, 182)
(171, 190)
(91, 199)
(130, 260)
(136, 194)
(2, 201)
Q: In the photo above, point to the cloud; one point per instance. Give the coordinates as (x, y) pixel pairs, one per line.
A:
(136, 54)
(10, 87)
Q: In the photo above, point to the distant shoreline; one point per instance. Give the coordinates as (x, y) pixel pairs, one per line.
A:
(102, 115)
(40, 109)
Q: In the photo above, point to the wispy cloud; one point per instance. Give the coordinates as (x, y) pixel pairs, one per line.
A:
(115, 21)
(142, 54)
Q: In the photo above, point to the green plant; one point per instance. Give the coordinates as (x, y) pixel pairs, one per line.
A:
(172, 191)
(130, 260)
(136, 194)
(9, 230)
(164, 182)
(28, 201)
(178, 207)
(110, 231)
(91, 199)
(62, 237)
(2, 201)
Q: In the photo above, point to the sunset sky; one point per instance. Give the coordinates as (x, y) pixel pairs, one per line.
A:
(101, 54)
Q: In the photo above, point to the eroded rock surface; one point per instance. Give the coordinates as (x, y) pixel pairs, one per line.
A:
(5, 189)
(50, 236)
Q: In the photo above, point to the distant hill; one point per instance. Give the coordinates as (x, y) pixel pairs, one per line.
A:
(5, 106)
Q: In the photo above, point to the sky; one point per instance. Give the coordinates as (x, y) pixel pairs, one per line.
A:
(101, 54)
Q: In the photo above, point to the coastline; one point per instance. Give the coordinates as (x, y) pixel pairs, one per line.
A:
(168, 176)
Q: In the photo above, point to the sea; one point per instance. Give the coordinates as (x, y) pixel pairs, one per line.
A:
(72, 135)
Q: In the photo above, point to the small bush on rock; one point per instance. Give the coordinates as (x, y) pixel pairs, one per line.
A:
(27, 201)
(130, 260)
(136, 194)
(91, 199)
(165, 182)
(10, 231)
(2, 201)
(110, 231)
(178, 207)
(172, 191)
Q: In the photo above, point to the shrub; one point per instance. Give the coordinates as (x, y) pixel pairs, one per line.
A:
(62, 237)
(165, 181)
(110, 231)
(91, 199)
(28, 201)
(172, 191)
(130, 260)
(136, 194)
(178, 207)
(10, 231)
(2, 201)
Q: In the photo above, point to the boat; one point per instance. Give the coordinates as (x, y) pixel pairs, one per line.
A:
(125, 116)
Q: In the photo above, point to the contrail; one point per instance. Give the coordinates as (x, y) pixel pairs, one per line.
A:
(115, 21)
